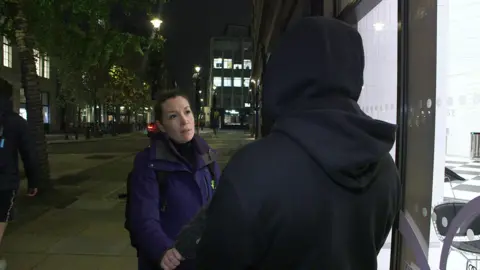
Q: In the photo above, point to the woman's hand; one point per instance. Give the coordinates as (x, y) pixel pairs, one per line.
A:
(171, 259)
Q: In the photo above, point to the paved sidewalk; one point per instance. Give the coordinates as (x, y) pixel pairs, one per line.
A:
(63, 165)
(87, 231)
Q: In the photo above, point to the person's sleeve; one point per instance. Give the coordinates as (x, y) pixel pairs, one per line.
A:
(144, 212)
(28, 153)
(217, 172)
(189, 236)
(227, 240)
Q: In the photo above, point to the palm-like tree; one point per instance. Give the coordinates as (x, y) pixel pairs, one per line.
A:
(30, 83)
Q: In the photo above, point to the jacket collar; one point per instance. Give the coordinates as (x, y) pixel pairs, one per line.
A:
(162, 149)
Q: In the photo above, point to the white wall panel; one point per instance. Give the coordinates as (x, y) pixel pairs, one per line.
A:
(463, 75)
(379, 33)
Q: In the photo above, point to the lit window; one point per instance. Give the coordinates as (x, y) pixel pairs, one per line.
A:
(46, 66)
(237, 82)
(237, 66)
(23, 113)
(217, 62)
(227, 63)
(246, 82)
(38, 62)
(46, 115)
(227, 82)
(247, 64)
(217, 81)
(7, 53)
(46, 109)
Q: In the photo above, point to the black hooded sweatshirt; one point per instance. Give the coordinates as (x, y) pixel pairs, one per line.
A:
(321, 191)
(16, 139)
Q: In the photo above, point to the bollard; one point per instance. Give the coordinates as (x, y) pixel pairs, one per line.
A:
(475, 146)
(87, 133)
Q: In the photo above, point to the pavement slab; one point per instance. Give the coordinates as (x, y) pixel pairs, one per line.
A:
(82, 262)
(25, 261)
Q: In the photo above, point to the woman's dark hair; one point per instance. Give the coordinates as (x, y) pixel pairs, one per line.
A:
(164, 96)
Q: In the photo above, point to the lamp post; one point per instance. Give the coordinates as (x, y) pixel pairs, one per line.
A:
(256, 106)
(198, 100)
(151, 61)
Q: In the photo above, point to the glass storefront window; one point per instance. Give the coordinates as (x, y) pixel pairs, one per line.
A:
(46, 115)
(456, 180)
(23, 113)
(45, 109)
(378, 29)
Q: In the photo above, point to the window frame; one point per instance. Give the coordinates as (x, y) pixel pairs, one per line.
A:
(229, 80)
(7, 53)
(215, 81)
(247, 64)
(216, 61)
(227, 63)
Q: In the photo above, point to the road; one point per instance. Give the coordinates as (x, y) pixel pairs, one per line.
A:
(81, 226)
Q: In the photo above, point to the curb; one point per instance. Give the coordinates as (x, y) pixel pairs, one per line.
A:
(120, 136)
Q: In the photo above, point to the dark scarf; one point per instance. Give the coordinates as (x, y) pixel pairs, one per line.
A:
(186, 150)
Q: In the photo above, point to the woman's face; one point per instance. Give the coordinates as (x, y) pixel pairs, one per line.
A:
(178, 121)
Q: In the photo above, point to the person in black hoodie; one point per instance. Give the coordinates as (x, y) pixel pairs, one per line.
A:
(14, 138)
(321, 191)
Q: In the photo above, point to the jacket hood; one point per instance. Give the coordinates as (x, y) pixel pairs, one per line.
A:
(317, 57)
(311, 86)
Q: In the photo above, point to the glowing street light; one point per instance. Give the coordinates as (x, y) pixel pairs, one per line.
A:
(156, 22)
(198, 68)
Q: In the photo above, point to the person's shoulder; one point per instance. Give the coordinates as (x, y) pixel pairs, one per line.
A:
(261, 157)
(13, 116)
(142, 158)
(15, 120)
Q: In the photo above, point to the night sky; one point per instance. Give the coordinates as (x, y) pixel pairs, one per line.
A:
(188, 26)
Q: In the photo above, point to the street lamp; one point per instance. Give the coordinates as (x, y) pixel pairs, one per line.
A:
(156, 22)
(198, 100)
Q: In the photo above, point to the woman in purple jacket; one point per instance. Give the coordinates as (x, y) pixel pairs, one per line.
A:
(170, 182)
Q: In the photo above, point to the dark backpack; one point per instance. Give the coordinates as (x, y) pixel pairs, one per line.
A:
(162, 179)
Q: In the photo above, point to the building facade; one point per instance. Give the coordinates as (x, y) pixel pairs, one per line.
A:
(231, 71)
(230, 74)
(10, 71)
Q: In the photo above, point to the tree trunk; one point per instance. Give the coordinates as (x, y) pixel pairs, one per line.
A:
(30, 83)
